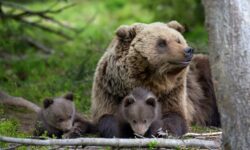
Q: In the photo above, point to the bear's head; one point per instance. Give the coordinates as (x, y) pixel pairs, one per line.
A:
(140, 109)
(161, 44)
(59, 112)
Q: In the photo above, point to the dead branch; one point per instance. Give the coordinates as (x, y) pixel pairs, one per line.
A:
(31, 12)
(37, 45)
(13, 147)
(160, 142)
(1, 11)
(37, 25)
(25, 13)
(40, 26)
(203, 134)
(12, 58)
(18, 101)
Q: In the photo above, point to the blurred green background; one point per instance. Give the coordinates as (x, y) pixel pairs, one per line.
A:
(28, 72)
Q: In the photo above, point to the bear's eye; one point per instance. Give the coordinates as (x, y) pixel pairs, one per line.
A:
(162, 43)
(178, 41)
(144, 121)
(134, 121)
(70, 116)
(60, 119)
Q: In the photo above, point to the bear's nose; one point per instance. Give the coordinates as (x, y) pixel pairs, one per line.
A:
(188, 52)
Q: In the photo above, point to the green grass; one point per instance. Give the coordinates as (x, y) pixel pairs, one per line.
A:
(71, 66)
(200, 129)
(9, 128)
(33, 75)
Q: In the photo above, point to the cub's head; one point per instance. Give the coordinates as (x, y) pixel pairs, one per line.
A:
(140, 108)
(161, 44)
(59, 112)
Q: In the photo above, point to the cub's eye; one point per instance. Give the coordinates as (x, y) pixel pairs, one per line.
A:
(178, 41)
(144, 121)
(134, 121)
(162, 43)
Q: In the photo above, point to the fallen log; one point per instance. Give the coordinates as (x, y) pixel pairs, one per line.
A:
(18, 101)
(116, 142)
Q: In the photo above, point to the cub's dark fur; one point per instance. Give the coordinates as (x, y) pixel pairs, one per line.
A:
(139, 113)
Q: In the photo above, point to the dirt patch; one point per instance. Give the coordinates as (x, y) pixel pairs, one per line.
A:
(24, 117)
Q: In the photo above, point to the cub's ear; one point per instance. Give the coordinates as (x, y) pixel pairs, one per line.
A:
(69, 96)
(128, 101)
(151, 101)
(47, 102)
(176, 25)
(127, 33)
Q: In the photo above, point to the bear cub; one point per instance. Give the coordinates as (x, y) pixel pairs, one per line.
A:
(58, 118)
(138, 115)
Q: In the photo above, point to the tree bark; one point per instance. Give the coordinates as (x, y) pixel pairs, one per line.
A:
(228, 24)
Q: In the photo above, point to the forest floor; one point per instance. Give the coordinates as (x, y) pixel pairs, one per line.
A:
(22, 125)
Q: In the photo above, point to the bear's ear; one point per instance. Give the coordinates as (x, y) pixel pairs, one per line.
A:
(151, 101)
(69, 96)
(128, 101)
(47, 102)
(176, 25)
(127, 33)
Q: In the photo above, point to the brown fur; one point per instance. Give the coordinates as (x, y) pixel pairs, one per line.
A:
(59, 117)
(153, 56)
(140, 110)
(202, 92)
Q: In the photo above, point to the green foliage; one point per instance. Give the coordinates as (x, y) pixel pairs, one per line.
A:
(9, 128)
(152, 145)
(200, 129)
(108, 148)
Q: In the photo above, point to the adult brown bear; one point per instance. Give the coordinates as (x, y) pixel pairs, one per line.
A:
(157, 57)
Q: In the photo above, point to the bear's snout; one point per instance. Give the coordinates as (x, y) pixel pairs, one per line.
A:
(188, 53)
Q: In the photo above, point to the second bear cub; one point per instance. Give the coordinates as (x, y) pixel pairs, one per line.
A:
(59, 118)
(141, 111)
(139, 114)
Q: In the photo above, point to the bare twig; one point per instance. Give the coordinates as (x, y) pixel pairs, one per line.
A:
(32, 12)
(203, 134)
(37, 25)
(13, 147)
(45, 28)
(22, 17)
(38, 45)
(1, 11)
(18, 101)
(116, 142)
(12, 58)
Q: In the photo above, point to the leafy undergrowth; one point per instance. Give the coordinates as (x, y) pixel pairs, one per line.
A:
(9, 127)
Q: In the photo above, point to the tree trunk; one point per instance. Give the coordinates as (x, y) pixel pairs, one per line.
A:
(228, 24)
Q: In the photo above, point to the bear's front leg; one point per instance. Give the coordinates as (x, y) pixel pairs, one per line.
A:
(174, 123)
(108, 126)
(154, 129)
